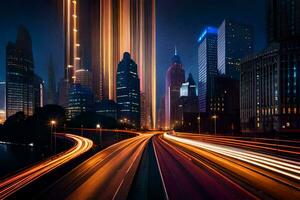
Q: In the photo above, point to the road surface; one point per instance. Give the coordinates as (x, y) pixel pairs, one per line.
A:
(264, 175)
(106, 175)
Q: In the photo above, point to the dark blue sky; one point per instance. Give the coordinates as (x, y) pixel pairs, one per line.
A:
(179, 22)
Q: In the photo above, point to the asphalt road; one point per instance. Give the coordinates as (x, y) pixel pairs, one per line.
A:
(106, 175)
(183, 179)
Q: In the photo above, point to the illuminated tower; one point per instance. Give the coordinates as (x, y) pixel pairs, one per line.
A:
(125, 26)
(175, 78)
(72, 59)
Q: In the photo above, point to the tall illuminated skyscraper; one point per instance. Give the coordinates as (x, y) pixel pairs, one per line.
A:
(175, 78)
(126, 26)
(70, 23)
(207, 65)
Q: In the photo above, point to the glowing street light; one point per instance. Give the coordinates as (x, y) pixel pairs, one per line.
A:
(215, 122)
(198, 118)
(53, 123)
(98, 127)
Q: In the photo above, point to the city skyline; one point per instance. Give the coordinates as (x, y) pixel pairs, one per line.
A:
(185, 45)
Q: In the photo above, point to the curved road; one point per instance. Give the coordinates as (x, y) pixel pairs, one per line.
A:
(106, 175)
(14, 183)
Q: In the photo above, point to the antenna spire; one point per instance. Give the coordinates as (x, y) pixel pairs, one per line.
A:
(175, 51)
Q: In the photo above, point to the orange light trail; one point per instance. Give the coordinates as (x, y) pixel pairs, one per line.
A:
(14, 183)
(279, 165)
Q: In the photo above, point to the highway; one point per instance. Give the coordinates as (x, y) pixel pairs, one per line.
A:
(262, 174)
(106, 175)
(185, 179)
(14, 183)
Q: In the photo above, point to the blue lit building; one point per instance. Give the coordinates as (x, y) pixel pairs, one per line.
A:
(207, 65)
(235, 41)
(80, 100)
(128, 91)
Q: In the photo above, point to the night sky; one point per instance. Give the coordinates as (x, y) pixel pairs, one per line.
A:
(179, 22)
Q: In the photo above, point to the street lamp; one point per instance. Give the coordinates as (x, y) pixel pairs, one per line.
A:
(98, 126)
(53, 123)
(198, 123)
(215, 122)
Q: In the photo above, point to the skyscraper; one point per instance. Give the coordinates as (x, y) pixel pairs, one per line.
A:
(235, 41)
(207, 65)
(70, 25)
(283, 20)
(126, 26)
(270, 79)
(128, 91)
(20, 75)
(175, 77)
(52, 99)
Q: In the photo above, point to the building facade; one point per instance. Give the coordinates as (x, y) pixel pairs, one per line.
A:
(207, 65)
(20, 75)
(80, 100)
(235, 41)
(270, 80)
(188, 101)
(128, 91)
(174, 79)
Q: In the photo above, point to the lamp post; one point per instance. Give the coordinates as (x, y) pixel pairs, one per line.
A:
(198, 118)
(53, 123)
(98, 127)
(214, 117)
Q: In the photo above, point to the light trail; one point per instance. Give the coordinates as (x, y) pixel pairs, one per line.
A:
(14, 183)
(289, 147)
(106, 175)
(279, 165)
(253, 173)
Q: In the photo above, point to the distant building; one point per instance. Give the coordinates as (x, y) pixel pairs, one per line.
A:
(161, 124)
(80, 100)
(51, 91)
(175, 77)
(39, 91)
(83, 77)
(207, 65)
(107, 108)
(63, 93)
(128, 91)
(143, 112)
(2, 102)
(20, 75)
(235, 41)
(188, 101)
